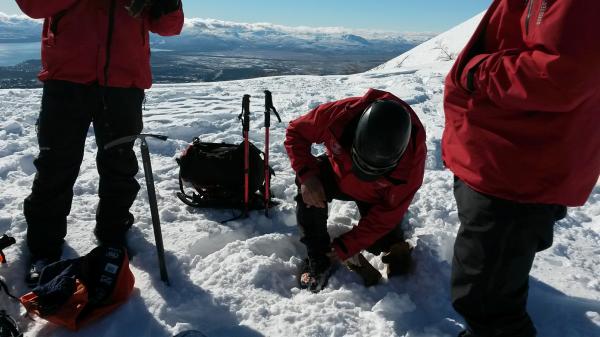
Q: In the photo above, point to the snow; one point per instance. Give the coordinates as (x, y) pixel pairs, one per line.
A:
(441, 48)
(238, 279)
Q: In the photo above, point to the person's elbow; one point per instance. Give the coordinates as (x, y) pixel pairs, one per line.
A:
(33, 11)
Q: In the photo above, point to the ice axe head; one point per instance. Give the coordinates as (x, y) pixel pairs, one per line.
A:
(129, 139)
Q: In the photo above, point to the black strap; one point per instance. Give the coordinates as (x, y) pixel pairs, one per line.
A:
(5, 289)
(8, 322)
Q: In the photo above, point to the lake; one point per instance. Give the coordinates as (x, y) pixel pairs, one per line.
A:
(15, 53)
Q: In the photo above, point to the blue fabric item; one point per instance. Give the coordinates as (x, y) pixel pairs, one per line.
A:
(57, 284)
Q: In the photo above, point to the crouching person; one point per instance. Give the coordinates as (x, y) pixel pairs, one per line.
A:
(375, 156)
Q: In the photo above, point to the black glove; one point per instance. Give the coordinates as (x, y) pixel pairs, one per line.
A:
(162, 7)
(136, 7)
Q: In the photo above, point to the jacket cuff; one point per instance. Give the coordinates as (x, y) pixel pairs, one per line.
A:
(305, 173)
(467, 77)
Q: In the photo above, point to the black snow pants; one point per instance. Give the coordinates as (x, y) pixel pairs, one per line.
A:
(66, 113)
(493, 254)
(313, 221)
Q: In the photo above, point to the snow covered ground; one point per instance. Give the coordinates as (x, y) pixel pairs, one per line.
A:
(238, 279)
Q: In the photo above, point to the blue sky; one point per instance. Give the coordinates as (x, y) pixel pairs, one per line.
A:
(394, 15)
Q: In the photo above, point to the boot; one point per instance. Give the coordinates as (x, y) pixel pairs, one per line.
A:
(36, 266)
(314, 273)
(398, 259)
(117, 238)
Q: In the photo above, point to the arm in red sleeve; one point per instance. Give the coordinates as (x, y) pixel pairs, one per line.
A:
(556, 75)
(39, 9)
(307, 130)
(169, 24)
(380, 221)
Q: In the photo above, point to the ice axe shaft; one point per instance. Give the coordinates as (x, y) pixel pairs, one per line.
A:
(151, 194)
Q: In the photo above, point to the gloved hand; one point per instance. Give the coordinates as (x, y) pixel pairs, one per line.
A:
(136, 7)
(313, 193)
(162, 7)
(157, 8)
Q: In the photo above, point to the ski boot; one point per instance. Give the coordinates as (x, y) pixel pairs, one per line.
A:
(398, 259)
(314, 273)
(117, 238)
(36, 266)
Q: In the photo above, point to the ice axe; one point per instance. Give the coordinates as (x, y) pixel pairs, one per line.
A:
(151, 194)
(269, 108)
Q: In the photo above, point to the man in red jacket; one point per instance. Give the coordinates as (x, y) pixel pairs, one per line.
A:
(95, 67)
(522, 138)
(376, 152)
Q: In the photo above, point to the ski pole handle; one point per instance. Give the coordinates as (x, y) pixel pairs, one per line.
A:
(244, 116)
(270, 108)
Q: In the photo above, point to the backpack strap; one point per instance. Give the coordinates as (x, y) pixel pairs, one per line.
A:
(185, 198)
(7, 322)
(5, 289)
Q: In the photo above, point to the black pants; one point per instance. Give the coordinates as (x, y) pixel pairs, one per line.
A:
(66, 113)
(313, 221)
(493, 254)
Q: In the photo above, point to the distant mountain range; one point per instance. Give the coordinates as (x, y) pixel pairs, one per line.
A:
(208, 35)
(19, 28)
(213, 50)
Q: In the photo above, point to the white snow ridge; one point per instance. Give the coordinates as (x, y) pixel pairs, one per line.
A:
(238, 279)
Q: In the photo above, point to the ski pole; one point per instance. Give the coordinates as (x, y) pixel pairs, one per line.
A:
(151, 195)
(245, 117)
(268, 109)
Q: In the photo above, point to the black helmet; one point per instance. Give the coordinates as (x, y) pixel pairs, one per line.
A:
(381, 137)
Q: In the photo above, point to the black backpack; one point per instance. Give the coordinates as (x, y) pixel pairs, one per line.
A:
(216, 172)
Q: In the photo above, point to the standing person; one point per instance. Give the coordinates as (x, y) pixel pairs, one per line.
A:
(95, 67)
(376, 157)
(522, 138)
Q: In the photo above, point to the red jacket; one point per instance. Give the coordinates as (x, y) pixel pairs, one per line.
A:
(390, 199)
(76, 35)
(522, 103)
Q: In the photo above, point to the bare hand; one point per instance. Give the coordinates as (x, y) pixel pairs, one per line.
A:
(313, 193)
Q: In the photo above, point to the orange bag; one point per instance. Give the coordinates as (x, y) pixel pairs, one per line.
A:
(102, 281)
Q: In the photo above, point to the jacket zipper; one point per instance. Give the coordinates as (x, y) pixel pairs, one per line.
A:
(109, 36)
(55, 20)
(529, 10)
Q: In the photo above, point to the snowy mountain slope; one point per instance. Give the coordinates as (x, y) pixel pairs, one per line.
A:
(444, 47)
(238, 279)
